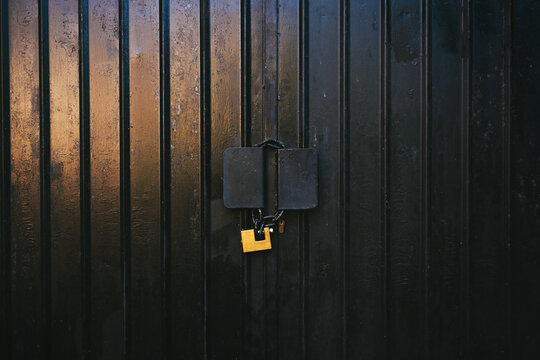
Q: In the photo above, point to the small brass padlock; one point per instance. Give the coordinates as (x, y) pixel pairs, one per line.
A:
(250, 244)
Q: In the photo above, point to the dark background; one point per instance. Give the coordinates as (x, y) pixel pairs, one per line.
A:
(115, 242)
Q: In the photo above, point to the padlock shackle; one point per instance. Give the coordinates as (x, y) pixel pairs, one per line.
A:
(273, 143)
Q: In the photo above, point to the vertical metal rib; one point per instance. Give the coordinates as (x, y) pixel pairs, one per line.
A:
(465, 119)
(344, 78)
(246, 71)
(165, 171)
(45, 178)
(425, 126)
(303, 142)
(384, 111)
(205, 112)
(125, 185)
(506, 162)
(245, 49)
(5, 172)
(272, 328)
(84, 135)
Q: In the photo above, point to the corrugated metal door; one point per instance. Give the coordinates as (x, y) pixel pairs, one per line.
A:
(115, 240)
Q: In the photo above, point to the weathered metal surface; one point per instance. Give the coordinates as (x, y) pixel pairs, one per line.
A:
(103, 274)
(115, 240)
(298, 179)
(183, 289)
(66, 339)
(243, 178)
(26, 273)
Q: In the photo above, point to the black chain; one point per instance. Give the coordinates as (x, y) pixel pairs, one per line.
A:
(260, 221)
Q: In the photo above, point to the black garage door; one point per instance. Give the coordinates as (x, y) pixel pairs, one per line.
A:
(115, 239)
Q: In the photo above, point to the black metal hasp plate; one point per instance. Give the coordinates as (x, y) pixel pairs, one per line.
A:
(243, 178)
(298, 179)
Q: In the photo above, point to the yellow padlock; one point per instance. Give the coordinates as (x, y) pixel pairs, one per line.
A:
(250, 244)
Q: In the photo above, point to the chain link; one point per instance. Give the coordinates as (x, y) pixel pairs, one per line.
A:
(260, 221)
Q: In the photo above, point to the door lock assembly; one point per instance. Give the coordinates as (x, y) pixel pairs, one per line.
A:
(245, 186)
